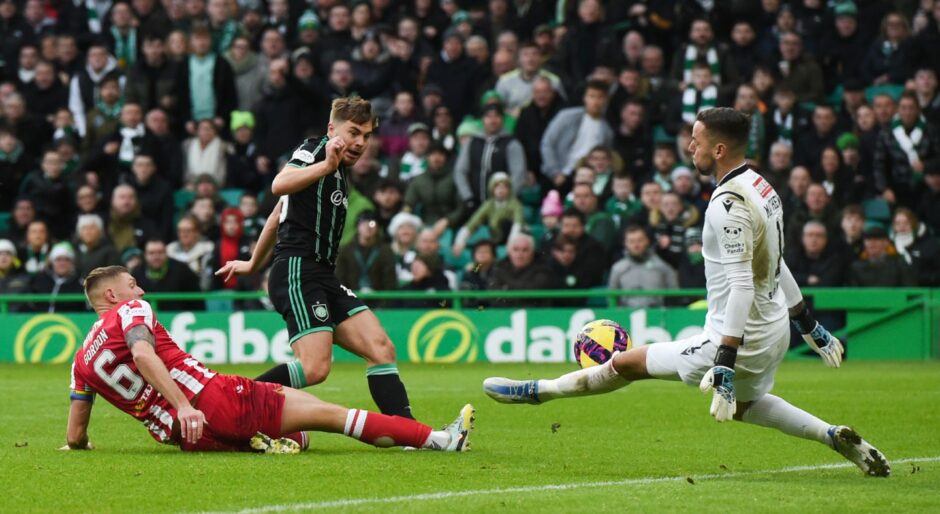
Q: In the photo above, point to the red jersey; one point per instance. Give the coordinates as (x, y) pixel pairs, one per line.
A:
(104, 365)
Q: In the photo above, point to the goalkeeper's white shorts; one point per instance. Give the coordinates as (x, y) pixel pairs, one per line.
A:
(689, 359)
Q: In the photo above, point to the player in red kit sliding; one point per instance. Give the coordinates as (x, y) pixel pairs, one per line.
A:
(129, 359)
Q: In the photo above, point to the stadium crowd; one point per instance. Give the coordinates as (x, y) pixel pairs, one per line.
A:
(522, 144)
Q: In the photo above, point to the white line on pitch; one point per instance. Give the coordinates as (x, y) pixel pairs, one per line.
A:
(443, 495)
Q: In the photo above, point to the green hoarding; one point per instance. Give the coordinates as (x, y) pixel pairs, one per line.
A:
(440, 336)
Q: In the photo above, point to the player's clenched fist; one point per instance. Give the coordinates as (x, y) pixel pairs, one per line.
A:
(334, 151)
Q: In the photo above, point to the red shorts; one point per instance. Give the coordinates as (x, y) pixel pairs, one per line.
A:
(237, 408)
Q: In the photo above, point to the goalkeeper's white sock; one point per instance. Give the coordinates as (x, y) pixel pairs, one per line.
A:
(774, 412)
(593, 380)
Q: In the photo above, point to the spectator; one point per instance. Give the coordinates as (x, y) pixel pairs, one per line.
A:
(455, 73)
(701, 47)
(248, 204)
(427, 276)
(35, 252)
(104, 115)
(248, 70)
(641, 269)
(632, 139)
(206, 153)
(904, 151)
(516, 87)
(280, 116)
(192, 249)
(388, 202)
(810, 144)
(817, 206)
(533, 121)
(367, 263)
(836, 178)
(46, 94)
(13, 280)
(206, 84)
(58, 277)
(520, 271)
(692, 265)
(700, 94)
(477, 273)
(693, 194)
(747, 101)
(669, 224)
(605, 165)
(231, 245)
(887, 58)
(623, 203)
(151, 82)
(160, 274)
(880, 265)
(852, 224)
(242, 164)
(434, 195)
(205, 210)
(403, 229)
(744, 52)
(169, 147)
(119, 147)
(94, 250)
(49, 192)
(787, 119)
(127, 227)
(14, 164)
(84, 88)
(797, 70)
(841, 57)
(563, 252)
(414, 162)
(591, 261)
(484, 155)
(23, 214)
(154, 193)
(122, 36)
(501, 214)
(88, 201)
(443, 130)
(573, 132)
(816, 262)
(919, 249)
(928, 95)
(600, 225)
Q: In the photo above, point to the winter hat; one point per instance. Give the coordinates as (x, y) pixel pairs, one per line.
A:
(404, 218)
(308, 20)
(496, 178)
(242, 119)
(7, 246)
(680, 171)
(551, 205)
(847, 140)
(62, 250)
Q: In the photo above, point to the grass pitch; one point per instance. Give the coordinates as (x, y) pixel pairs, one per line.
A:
(650, 447)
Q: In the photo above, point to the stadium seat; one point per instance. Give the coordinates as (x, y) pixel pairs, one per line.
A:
(231, 196)
(892, 90)
(5, 221)
(219, 304)
(182, 199)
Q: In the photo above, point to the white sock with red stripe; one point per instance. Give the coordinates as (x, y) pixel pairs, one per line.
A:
(384, 431)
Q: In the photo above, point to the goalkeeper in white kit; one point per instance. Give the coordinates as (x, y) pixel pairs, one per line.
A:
(752, 299)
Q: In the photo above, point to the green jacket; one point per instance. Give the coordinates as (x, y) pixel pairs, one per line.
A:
(360, 269)
(433, 196)
(497, 217)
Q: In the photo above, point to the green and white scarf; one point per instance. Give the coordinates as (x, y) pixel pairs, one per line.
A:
(223, 37)
(784, 126)
(94, 17)
(691, 108)
(908, 142)
(125, 47)
(691, 56)
(126, 151)
(111, 112)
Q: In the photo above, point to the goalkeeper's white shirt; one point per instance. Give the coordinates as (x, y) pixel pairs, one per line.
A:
(744, 222)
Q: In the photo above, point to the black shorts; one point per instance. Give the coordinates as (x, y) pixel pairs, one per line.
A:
(309, 296)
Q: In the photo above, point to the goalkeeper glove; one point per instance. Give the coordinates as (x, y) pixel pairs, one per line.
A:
(720, 379)
(819, 339)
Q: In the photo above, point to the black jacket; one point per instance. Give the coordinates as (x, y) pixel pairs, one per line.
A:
(178, 278)
(830, 267)
(458, 79)
(530, 126)
(45, 283)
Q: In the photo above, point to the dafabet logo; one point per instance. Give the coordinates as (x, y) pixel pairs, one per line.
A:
(50, 338)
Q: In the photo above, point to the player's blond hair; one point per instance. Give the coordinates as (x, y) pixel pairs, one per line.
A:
(99, 275)
(354, 109)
